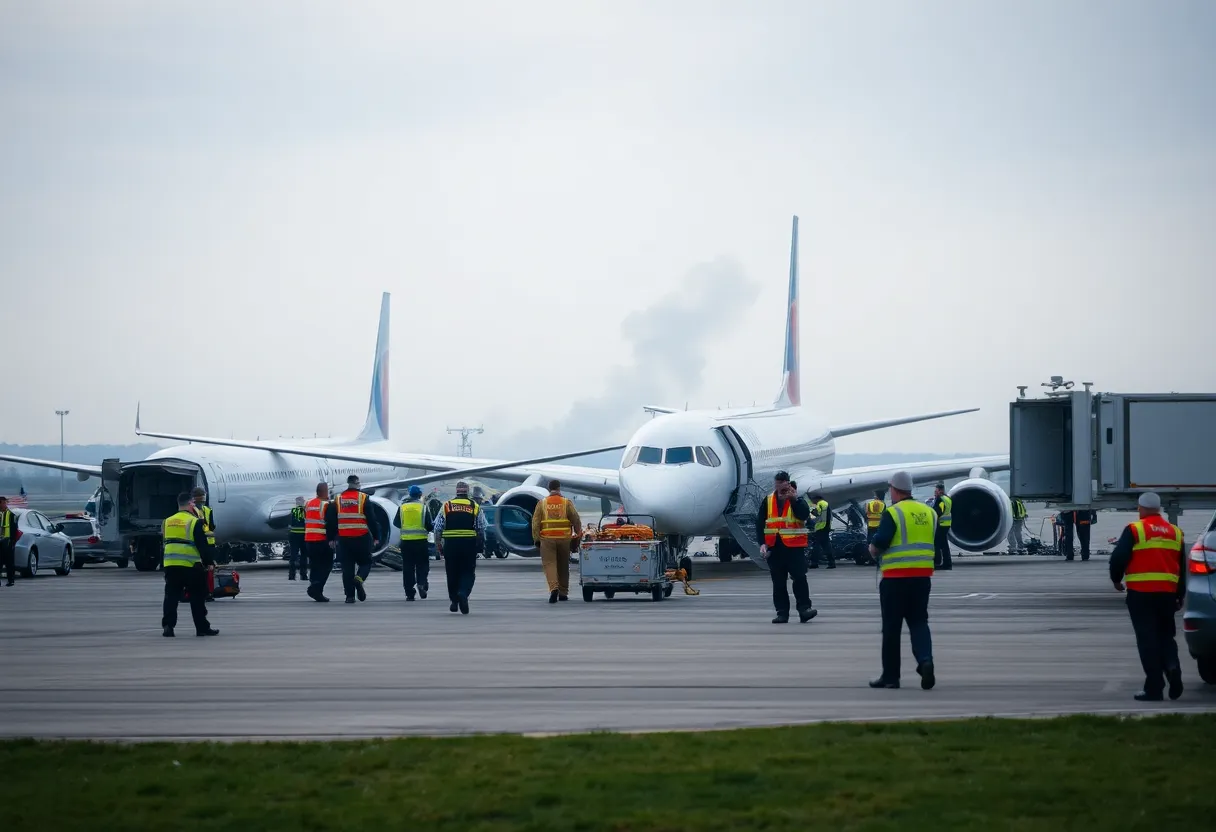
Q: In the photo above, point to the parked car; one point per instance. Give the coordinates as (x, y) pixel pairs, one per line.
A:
(1199, 620)
(87, 547)
(40, 544)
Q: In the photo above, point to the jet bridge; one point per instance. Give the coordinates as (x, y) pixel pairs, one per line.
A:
(1085, 450)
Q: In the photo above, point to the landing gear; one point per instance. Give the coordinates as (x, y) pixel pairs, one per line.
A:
(728, 547)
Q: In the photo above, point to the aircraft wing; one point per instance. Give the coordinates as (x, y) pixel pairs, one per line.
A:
(863, 427)
(74, 467)
(594, 482)
(861, 483)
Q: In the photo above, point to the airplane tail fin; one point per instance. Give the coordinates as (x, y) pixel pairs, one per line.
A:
(791, 392)
(375, 429)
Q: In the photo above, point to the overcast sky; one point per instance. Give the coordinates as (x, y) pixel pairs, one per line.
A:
(585, 207)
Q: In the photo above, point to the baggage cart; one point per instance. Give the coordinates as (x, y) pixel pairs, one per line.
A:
(626, 556)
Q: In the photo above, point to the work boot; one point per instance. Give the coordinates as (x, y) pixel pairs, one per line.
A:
(409, 597)
(303, 575)
(463, 602)
(1144, 696)
(782, 618)
(553, 597)
(562, 597)
(807, 614)
(350, 600)
(1174, 675)
(359, 590)
(321, 598)
(927, 679)
(168, 632)
(422, 592)
(291, 576)
(880, 682)
(210, 631)
(454, 607)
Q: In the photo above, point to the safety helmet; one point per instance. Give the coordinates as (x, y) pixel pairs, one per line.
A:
(415, 491)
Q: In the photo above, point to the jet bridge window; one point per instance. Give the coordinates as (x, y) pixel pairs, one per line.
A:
(679, 456)
(706, 456)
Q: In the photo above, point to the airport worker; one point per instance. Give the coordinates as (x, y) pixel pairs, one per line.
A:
(1064, 524)
(415, 520)
(821, 534)
(456, 532)
(8, 540)
(942, 504)
(782, 526)
(1150, 558)
(874, 510)
(554, 523)
(295, 543)
(350, 524)
(1017, 545)
(904, 548)
(187, 556)
(320, 552)
(203, 512)
(1083, 522)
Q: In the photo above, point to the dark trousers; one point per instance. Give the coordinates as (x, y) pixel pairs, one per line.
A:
(8, 559)
(870, 534)
(904, 599)
(941, 548)
(415, 565)
(296, 557)
(821, 544)
(1066, 541)
(356, 554)
(321, 562)
(1153, 620)
(193, 579)
(1083, 539)
(789, 564)
(460, 564)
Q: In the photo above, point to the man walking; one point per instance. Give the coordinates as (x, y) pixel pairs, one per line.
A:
(781, 525)
(555, 522)
(415, 520)
(320, 551)
(456, 531)
(349, 523)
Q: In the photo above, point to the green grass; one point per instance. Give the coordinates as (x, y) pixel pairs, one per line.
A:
(1076, 773)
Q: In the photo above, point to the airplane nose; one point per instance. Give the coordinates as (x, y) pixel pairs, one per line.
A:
(671, 506)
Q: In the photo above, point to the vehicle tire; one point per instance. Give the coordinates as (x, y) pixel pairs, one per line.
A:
(31, 568)
(609, 594)
(143, 563)
(724, 557)
(588, 594)
(656, 594)
(667, 591)
(686, 565)
(78, 563)
(65, 568)
(500, 555)
(121, 563)
(1207, 669)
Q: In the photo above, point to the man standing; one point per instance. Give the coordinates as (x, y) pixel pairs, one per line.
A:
(904, 545)
(188, 556)
(349, 524)
(203, 512)
(1083, 521)
(1065, 527)
(941, 538)
(1017, 545)
(295, 543)
(821, 537)
(874, 510)
(415, 521)
(320, 551)
(456, 532)
(781, 525)
(554, 524)
(8, 536)
(1151, 558)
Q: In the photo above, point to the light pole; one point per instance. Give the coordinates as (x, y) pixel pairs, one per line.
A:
(61, 414)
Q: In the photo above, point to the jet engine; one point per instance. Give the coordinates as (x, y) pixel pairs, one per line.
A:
(981, 516)
(513, 520)
(385, 512)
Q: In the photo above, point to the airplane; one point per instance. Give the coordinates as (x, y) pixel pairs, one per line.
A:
(252, 487)
(704, 472)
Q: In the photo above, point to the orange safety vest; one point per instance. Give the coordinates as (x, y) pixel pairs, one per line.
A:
(554, 524)
(314, 520)
(1156, 553)
(786, 526)
(351, 522)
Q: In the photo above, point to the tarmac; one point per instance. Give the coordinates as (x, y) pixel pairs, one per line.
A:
(82, 656)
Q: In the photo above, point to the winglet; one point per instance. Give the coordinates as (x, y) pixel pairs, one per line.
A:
(375, 429)
(137, 418)
(791, 392)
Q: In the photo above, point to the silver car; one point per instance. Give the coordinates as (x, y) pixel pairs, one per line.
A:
(1199, 620)
(41, 545)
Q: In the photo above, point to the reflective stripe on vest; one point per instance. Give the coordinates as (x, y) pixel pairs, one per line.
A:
(554, 524)
(351, 522)
(821, 519)
(464, 511)
(785, 526)
(6, 525)
(874, 510)
(204, 514)
(178, 532)
(947, 506)
(314, 520)
(911, 552)
(297, 520)
(1156, 555)
(1019, 510)
(413, 521)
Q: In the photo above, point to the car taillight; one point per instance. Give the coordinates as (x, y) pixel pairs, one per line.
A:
(17, 535)
(94, 540)
(1202, 560)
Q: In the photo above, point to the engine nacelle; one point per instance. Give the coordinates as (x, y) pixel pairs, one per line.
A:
(513, 520)
(385, 512)
(981, 516)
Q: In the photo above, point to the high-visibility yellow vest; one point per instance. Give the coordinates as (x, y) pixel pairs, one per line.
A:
(6, 525)
(460, 518)
(204, 514)
(1156, 555)
(911, 552)
(874, 510)
(821, 519)
(554, 524)
(178, 532)
(943, 521)
(1019, 510)
(413, 521)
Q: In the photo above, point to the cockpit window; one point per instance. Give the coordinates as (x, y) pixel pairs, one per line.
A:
(679, 456)
(713, 457)
(650, 456)
(631, 456)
